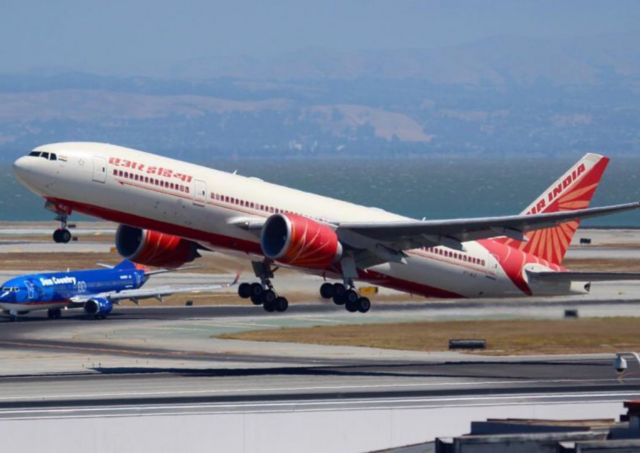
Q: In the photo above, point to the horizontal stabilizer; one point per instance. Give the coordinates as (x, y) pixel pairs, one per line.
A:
(583, 276)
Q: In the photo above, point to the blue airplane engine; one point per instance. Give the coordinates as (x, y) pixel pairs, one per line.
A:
(98, 307)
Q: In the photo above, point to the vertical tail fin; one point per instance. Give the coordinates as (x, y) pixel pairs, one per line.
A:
(573, 190)
(125, 264)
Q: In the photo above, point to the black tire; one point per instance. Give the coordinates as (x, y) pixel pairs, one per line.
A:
(269, 306)
(351, 306)
(256, 300)
(281, 304)
(244, 290)
(364, 304)
(65, 236)
(268, 297)
(351, 296)
(256, 289)
(339, 299)
(339, 289)
(57, 236)
(327, 290)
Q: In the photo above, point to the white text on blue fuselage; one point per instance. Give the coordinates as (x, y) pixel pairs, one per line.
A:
(57, 281)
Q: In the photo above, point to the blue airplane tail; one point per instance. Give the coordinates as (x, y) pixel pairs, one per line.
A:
(125, 264)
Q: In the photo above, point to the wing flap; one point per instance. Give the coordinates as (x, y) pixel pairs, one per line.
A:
(557, 277)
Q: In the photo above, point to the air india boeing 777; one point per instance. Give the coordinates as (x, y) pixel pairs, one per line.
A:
(168, 210)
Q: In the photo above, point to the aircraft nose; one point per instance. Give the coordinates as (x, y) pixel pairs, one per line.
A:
(20, 166)
(30, 172)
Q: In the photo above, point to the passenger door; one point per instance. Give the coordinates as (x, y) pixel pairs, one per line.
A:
(199, 193)
(99, 169)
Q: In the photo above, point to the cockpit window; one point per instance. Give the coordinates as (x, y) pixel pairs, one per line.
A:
(9, 289)
(48, 156)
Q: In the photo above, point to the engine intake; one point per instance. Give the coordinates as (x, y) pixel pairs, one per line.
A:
(99, 306)
(153, 248)
(299, 241)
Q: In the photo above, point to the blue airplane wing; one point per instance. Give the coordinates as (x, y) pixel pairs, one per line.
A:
(149, 293)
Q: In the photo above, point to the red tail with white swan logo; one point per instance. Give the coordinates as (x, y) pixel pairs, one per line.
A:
(571, 191)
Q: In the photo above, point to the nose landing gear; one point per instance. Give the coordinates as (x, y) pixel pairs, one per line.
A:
(61, 234)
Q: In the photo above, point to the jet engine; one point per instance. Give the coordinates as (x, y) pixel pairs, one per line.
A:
(98, 307)
(299, 241)
(153, 248)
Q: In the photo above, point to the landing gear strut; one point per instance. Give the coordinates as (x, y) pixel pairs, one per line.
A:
(263, 293)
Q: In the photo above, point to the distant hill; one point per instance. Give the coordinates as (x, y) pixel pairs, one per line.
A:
(497, 96)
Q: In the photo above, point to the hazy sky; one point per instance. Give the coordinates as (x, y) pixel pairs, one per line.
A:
(146, 36)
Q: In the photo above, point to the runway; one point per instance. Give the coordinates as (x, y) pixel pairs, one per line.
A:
(317, 407)
(159, 378)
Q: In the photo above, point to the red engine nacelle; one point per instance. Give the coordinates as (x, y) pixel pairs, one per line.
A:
(152, 248)
(299, 241)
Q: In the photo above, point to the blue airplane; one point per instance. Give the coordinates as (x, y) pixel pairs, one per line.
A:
(95, 290)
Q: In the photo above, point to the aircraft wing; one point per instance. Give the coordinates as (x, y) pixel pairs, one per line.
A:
(157, 292)
(390, 238)
(583, 276)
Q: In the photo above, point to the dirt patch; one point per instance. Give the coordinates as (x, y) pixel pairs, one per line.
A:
(575, 336)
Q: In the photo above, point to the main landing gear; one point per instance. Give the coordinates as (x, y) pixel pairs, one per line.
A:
(263, 293)
(54, 313)
(347, 296)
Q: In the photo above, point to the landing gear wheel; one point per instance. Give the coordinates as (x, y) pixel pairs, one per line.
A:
(256, 300)
(351, 296)
(338, 294)
(61, 235)
(54, 313)
(268, 297)
(269, 306)
(339, 289)
(281, 304)
(244, 290)
(256, 290)
(13, 318)
(351, 306)
(327, 290)
(363, 305)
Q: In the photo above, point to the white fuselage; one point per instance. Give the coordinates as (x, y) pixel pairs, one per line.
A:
(207, 206)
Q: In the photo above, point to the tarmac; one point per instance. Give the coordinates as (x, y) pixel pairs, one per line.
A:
(157, 379)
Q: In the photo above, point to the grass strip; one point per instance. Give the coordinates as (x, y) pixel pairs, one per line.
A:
(519, 337)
